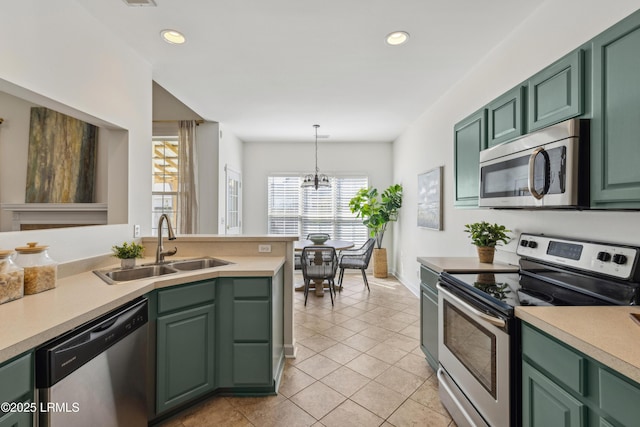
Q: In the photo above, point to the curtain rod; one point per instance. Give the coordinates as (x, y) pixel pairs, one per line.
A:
(198, 122)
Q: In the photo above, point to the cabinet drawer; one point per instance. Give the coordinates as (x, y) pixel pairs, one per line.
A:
(185, 296)
(619, 398)
(429, 277)
(251, 287)
(16, 378)
(556, 359)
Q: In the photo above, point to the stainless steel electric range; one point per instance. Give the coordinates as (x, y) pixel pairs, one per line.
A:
(479, 372)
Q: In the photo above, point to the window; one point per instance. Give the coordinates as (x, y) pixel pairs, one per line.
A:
(292, 210)
(165, 181)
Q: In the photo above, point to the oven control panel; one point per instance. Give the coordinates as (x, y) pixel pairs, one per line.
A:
(618, 261)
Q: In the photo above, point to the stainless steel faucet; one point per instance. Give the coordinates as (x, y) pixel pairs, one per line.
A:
(160, 252)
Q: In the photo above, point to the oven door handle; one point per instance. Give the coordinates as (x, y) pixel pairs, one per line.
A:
(495, 321)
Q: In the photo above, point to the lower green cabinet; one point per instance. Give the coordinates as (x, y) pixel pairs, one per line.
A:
(17, 386)
(429, 315)
(544, 403)
(184, 354)
(563, 387)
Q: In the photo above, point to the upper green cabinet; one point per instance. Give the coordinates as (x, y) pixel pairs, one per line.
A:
(615, 129)
(470, 138)
(556, 93)
(505, 117)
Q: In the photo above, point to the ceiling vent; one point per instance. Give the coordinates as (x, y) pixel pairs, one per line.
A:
(140, 3)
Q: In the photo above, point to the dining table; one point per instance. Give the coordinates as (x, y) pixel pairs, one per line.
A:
(337, 244)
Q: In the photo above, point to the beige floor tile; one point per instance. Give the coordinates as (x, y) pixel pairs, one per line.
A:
(412, 331)
(416, 365)
(350, 414)
(402, 342)
(400, 380)
(387, 353)
(365, 306)
(285, 414)
(378, 399)
(318, 342)
(317, 324)
(318, 399)
(303, 332)
(251, 405)
(302, 354)
(360, 342)
(411, 413)
(368, 366)
(384, 311)
(355, 325)
(338, 333)
(215, 412)
(377, 333)
(345, 381)
(351, 311)
(341, 353)
(294, 380)
(336, 317)
(318, 366)
(427, 395)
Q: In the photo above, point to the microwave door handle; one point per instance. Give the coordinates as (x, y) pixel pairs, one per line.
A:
(532, 174)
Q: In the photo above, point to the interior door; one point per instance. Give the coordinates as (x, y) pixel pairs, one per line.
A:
(233, 201)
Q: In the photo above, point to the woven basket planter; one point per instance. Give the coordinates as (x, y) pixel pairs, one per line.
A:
(380, 263)
(485, 254)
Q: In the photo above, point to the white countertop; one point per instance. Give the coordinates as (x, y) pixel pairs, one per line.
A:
(465, 265)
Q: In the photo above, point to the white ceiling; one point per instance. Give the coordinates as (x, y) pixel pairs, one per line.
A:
(270, 69)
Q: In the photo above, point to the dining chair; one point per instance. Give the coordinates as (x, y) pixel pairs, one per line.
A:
(319, 263)
(296, 257)
(356, 259)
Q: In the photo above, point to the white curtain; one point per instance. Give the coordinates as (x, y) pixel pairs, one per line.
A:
(187, 178)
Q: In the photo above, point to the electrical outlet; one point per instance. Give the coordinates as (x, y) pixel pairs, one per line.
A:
(136, 230)
(264, 248)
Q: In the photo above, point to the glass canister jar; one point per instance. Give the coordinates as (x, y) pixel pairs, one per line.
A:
(11, 278)
(40, 271)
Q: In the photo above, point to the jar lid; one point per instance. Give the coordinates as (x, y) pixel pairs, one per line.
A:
(5, 253)
(31, 248)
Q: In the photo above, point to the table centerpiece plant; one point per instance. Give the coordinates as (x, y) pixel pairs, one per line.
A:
(127, 253)
(377, 210)
(486, 236)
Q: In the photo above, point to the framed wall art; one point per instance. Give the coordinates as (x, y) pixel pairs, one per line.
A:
(430, 199)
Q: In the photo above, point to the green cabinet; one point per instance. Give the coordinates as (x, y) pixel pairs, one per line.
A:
(563, 387)
(505, 117)
(17, 386)
(429, 315)
(184, 343)
(556, 93)
(615, 130)
(470, 137)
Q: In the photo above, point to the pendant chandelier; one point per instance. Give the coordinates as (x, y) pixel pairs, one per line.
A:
(316, 180)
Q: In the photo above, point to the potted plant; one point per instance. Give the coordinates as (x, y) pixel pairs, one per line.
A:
(127, 253)
(486, 237)
(377, 211)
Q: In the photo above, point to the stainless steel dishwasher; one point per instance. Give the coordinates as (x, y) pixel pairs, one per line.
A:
(96, 374)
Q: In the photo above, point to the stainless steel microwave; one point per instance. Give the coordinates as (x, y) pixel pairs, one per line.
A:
(548, 168)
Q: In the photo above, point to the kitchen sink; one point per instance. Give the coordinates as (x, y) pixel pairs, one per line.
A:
(115, 275)
(197, 264)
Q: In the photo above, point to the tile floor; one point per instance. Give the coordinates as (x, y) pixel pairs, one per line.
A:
(359, 363)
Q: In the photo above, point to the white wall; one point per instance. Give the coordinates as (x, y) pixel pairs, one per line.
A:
(553, 30)
(261, 159)
(209, 176)
(65, 56)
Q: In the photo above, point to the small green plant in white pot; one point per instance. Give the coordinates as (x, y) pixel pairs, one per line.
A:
(486, 237)
(127, 253)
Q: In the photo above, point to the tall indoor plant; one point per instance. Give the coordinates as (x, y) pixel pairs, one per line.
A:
(486, 237)
(377, 211)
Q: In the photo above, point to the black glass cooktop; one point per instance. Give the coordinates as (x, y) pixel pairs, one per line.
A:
(543, 286)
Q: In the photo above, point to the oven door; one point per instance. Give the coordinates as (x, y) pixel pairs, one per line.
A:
(474, 352)
(543, 176)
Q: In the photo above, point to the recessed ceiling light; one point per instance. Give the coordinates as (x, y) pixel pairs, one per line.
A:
(397, 37)
(172, 36)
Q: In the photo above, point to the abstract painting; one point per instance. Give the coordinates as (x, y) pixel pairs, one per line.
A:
(61, 163)
(430, 199)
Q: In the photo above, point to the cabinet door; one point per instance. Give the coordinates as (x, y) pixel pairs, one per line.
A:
(469, 139)
(615, 130)
(185, 359)
(17, 419)
(505, 117)
(544, 403)
(556, 93)
(429, 325)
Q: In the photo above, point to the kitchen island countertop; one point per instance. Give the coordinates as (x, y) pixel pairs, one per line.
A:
(606, 334)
